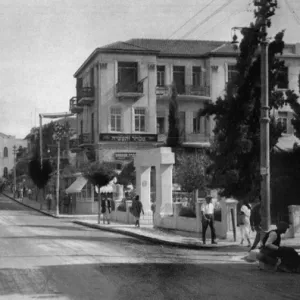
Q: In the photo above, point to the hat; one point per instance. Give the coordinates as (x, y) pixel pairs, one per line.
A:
(283, 225)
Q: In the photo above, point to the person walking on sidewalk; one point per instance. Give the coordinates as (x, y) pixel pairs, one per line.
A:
(207, 211)
(105, 209)
(245, 213)
(255, 222)
(49, 199)
(137, 209)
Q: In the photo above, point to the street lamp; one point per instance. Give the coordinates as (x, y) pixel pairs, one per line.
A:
(264, 116)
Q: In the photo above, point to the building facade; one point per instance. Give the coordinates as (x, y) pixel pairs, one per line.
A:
(123, 92)
(7, 143)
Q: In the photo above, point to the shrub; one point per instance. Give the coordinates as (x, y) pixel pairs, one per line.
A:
(187, 212)
(122, 207)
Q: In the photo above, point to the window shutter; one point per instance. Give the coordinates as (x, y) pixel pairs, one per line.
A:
(108, 119)
(122, 119)
(226, 72)
(147, 120)
(132, 120)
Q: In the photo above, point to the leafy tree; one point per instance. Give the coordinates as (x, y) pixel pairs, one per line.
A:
(40, 175)
(190, 171)
(236, 147)
(99, 174)
(173, 133)
(127, 175)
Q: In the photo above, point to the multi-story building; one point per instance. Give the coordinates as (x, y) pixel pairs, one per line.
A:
(7, 143)
(123, 92)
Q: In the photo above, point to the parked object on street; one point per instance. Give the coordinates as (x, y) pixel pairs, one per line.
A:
(137, 209)
(275, 257)
(207, 210)
(245, 213)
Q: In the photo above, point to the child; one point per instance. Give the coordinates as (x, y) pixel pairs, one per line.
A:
(137, 208)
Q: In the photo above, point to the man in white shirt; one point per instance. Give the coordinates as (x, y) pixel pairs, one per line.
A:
(207, 211)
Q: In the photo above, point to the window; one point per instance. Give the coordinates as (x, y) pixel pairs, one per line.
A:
(5, 152)
(115, 118)
(179, 78)
(127, 76)
(283, 79)
(160, 75)
(196, 123)
(160, 125)
(283, 120)
(92, 78)
(81, 127)
(232, 73)
(140, 119)
(196, 76)
(5, 172)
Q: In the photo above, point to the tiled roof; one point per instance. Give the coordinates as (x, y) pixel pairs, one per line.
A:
(125, 46)
(171, 47)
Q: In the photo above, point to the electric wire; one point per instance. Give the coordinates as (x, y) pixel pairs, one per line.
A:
(292, 11)
(190, 19)
(208, 18)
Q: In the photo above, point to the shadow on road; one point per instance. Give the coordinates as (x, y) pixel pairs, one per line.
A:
(124, 281)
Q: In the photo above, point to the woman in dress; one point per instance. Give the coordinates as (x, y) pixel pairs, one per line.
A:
(245, 227)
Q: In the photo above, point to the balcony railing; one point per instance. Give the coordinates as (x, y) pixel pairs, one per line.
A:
(187, 90)
(86, 138)
(86, 96)
(74, 108)
(133, 90)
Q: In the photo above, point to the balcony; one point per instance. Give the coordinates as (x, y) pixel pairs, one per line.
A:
(86, 96)
(187, 92)
(85, 139)
(134, 90)
(74, 108)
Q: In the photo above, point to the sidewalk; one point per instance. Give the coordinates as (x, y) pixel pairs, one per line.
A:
(148, 232)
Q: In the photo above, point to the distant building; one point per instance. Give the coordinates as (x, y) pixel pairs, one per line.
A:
(7, 142)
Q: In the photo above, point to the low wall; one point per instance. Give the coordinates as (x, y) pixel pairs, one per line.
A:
(223, 227)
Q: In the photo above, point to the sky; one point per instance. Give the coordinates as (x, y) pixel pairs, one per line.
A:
(44, 42)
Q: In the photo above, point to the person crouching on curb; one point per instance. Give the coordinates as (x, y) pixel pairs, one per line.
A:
(137, 209)
(105, 210)
(207, 211)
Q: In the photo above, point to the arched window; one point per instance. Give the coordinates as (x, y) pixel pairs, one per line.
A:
(5, 172)
(5, 152)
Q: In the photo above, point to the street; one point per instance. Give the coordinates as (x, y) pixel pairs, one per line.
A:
(47, 258)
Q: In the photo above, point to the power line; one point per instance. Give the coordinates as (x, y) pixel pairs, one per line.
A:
(221, 22)
(190, 19)
(208, 17)
(292, 11)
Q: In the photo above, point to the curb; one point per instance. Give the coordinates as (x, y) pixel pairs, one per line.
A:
(36, 209)
(153, 240)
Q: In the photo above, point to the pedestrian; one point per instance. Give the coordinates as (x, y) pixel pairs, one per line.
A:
(255, 222)
(66, 203)
(24, 191)
(29, 193)
(49, 199)
(137, 209)
(21, 192)
(207, 211)
(105, 209)
(245, 213)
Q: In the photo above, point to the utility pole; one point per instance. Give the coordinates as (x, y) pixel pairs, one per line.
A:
(15, 168)
(57, 178)
(264, 121)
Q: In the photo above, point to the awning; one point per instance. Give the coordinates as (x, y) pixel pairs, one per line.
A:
(77, 185)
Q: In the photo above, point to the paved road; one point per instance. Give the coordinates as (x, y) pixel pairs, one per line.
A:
(46, 258)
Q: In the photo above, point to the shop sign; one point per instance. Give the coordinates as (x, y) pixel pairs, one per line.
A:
(114, 137)
(124, 155)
